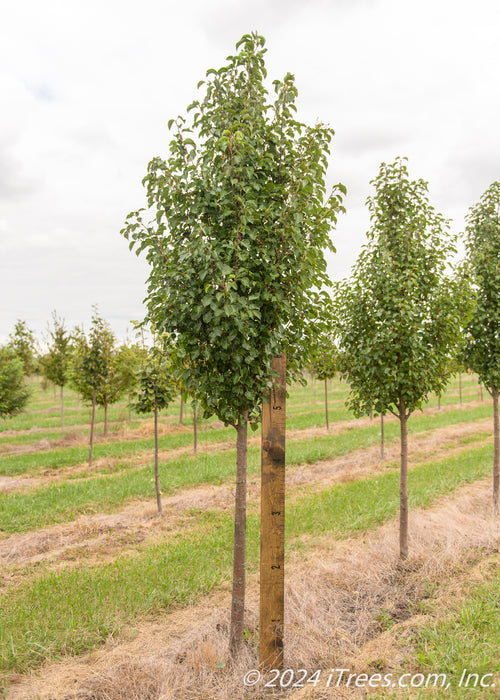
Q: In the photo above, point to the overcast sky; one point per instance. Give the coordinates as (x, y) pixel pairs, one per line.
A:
(87, 88)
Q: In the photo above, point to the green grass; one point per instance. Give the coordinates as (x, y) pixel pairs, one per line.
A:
(62, 502)
(468, 639)
(69, 611)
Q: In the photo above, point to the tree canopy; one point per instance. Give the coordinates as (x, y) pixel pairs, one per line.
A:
(242, 221)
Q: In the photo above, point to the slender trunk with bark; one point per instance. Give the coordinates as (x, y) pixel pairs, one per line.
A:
(381, 436)
(105, 419)
(195, 428)
(238, 598)
(326, 404)
(62, 407)
(496, 449)
(157, 474)
(92, 421)
(403, 483)
(371, 415)
(439, 402)
(182, 410)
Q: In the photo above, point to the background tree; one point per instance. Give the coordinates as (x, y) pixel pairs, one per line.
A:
(236, 249)
(324, 363)
(55, 363)
(22, 341)
(92, 369)
(482, 348)
(155, 390)
(400, 313)
(14, 393)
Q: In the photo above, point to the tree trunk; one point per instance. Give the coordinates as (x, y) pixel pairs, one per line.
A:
(157, 475)
(439, 402)
(371, 415)
(92, 421)
(105, 419)
(403, 483)
(496, 449)
(381, 436)
(195, 428)
(238, 597)
(460, 387)
(62, 407)
(182, 410)
(326, 404)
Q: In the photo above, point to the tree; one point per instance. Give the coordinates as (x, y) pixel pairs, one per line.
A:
(236, 249)
(482, 347)
(95, 372)
(400, 313)
(55, 363)
(22, 341)
(156, 388)
(324, 364)
(13, 391)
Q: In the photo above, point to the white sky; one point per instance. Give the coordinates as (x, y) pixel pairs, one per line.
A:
(87, 88)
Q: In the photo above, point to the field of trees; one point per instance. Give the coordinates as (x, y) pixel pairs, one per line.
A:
(132, 515)
(104, 598)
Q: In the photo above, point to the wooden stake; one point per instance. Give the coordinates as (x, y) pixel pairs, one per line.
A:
(272, 527)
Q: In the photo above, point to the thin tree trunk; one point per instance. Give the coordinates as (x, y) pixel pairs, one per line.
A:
(157, 475)
(460, 387)
(439, 402)
(496, 449)
(92, 421)
(105, 419)
(238, 597)
(371, 415)
(62, 407)
(129, 408)
(381, 436)
(403, 483)
(326, 404)
(195, 428)
(182, 410)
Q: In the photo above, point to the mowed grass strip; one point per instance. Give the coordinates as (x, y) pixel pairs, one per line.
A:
(464, 645)
(35, 463)
(73, 610)
(63, 502)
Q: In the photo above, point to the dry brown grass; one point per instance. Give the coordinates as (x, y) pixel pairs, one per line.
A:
(339, 598)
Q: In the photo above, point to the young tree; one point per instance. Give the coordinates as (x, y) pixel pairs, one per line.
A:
(22, 341)
(55, 363)
(13, 390)
(236, 249)
(94, 369)
(482, 348)
(324, 364)
(156, 388)
(400, 313)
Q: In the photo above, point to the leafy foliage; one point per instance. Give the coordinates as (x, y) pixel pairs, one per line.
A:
(55, 363)
(156, 385)
(13, 390)
(22, 341)
(400, 314)
(242, 220)
(482, 348)
(96, 364)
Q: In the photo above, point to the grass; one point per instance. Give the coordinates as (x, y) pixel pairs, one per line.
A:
(464, 645)
(62, 502)
(75, 609)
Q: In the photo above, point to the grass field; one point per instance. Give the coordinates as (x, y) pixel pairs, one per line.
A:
(88, 565)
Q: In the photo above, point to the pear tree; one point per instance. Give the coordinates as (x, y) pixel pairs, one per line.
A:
(400, 313)
(482, 346)
(235, 233)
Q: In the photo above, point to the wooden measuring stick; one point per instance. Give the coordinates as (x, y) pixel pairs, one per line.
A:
(272, 527)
